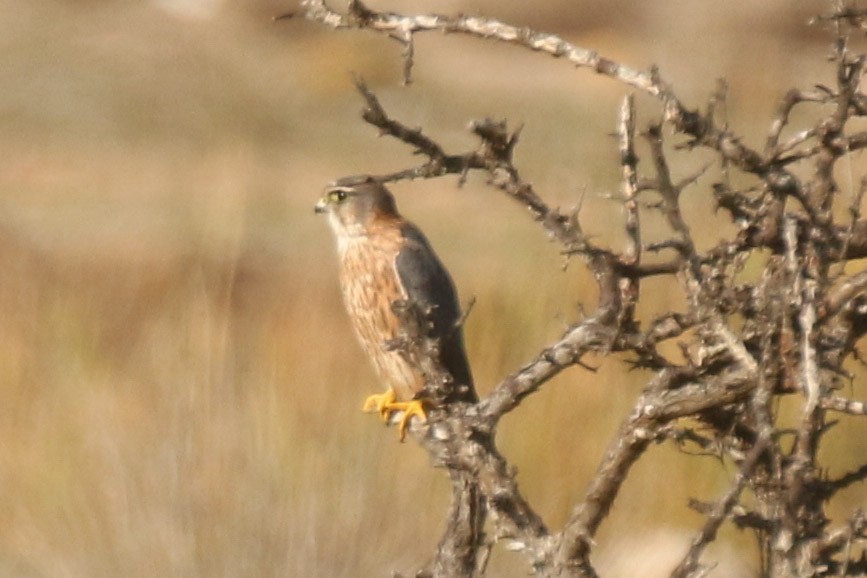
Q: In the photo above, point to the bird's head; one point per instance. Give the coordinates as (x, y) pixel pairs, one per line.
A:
(353, 204)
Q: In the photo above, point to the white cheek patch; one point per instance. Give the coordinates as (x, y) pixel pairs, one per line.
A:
(335, 223)
(343, 230)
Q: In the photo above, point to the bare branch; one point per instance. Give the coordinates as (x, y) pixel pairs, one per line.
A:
(628, 161)
(843, 294)
(461, 550)
(689, 566)
(702, 129)
(482, 482)
(671, 198)
(789, 101)
(592, 334)
(389, 23)
(744, 342)
(831, 487)
(843, 405)
(670, 395)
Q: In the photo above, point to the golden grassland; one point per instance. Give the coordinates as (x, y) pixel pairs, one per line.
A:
(179, 391)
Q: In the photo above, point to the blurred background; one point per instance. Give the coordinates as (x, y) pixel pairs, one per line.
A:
(180, 389)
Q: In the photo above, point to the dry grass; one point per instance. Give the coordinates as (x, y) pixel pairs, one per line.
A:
(179, 390)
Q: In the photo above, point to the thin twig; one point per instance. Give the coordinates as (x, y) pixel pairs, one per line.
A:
(689, 565)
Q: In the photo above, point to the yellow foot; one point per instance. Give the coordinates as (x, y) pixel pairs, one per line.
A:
(386, 404)
(380, 403)
(409, 409)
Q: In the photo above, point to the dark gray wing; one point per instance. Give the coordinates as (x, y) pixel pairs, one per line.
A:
(429, 285)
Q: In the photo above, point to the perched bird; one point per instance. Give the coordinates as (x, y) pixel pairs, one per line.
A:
(384, 258)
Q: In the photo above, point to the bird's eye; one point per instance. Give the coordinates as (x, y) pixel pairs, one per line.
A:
(338, 196)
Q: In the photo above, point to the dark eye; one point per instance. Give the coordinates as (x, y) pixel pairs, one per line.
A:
(338, 196)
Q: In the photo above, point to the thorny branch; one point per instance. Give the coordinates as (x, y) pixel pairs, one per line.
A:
(745, 344)
(690, 565)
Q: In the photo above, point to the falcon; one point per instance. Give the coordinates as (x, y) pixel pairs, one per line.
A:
(383, 259)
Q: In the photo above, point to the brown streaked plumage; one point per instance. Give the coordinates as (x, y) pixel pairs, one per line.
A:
(384, 258)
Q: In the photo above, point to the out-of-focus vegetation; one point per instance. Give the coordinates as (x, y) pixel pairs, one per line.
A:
(179, 388)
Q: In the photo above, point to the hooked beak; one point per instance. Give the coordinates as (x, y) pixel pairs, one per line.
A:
(321, 206)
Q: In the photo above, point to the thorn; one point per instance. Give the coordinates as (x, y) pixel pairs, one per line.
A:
(467, 310)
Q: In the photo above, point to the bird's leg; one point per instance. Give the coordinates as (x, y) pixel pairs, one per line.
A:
(386, 404)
